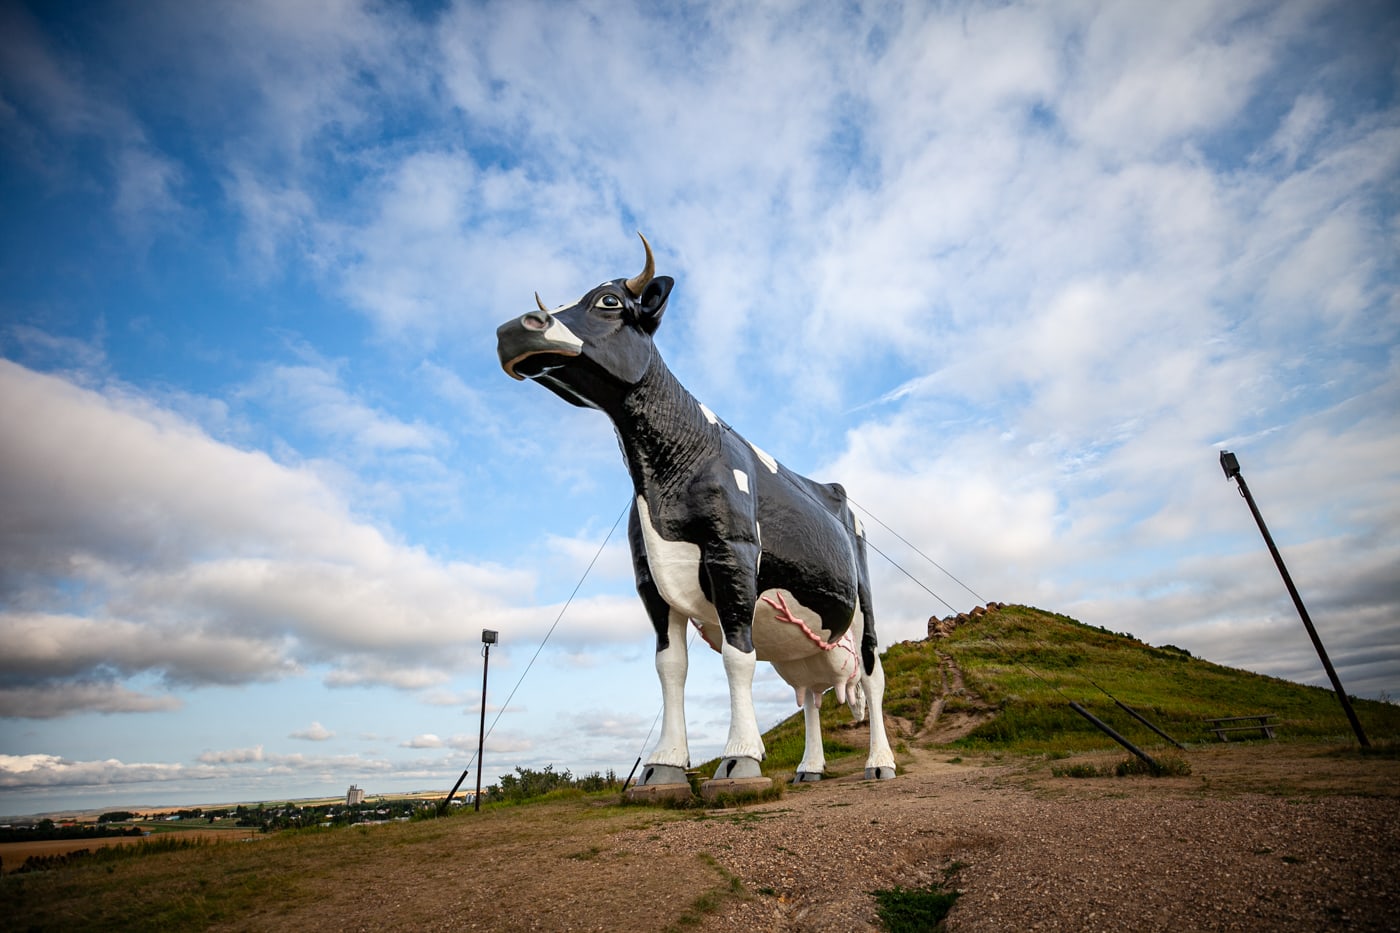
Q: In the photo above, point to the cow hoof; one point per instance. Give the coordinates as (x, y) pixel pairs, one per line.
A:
(662, 774)
(733, 769)
(807, 777)
(884, 773)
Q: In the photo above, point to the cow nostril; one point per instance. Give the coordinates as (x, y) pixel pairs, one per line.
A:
(535, 320)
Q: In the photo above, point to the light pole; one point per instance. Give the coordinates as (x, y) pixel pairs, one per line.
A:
(1231, 465)
(488, 638)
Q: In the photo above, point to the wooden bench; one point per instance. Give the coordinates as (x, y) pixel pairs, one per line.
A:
(1263, 724)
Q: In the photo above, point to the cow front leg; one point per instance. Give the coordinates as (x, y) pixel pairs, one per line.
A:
(671, 756)
(880, 764)
(813, 762)
(732, 569)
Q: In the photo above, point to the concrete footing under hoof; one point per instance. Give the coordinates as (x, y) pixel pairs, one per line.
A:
(879, 774)
(654, 793)
(807, 777)
(734, 787)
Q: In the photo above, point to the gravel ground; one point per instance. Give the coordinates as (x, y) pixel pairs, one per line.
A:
(1261, 836)
(1318, 849)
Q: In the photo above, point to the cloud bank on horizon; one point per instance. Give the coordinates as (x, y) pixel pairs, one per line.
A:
(1012, 273)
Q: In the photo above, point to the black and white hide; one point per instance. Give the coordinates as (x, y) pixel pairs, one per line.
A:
(769, 565)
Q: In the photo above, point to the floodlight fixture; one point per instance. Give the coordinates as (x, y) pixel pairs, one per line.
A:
(1230, 464)
(488, 637)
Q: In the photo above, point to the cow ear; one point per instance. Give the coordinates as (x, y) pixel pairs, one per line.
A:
(653, 302)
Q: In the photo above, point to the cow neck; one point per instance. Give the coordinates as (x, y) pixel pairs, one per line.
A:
(663, 433)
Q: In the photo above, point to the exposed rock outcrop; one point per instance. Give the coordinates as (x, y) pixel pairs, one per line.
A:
(942, 628)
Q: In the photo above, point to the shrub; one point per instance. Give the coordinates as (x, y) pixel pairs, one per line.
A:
(1167, 766)
(913, 910)
(1076, 771)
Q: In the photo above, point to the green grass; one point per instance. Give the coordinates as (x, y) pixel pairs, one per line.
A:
(1167, 766)
(1028, 664)
(913, 910)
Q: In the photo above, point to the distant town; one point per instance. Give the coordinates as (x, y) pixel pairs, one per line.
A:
(357, 807)
(39, 842)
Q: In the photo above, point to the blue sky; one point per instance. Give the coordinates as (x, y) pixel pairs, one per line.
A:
(1012, 273)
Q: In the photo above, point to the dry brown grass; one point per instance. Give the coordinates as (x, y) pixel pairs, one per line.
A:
(808, 861)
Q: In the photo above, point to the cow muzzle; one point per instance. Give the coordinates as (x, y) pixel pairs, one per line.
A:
(534, 343)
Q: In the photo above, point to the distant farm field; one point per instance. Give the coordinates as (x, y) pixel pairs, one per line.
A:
(13, 854)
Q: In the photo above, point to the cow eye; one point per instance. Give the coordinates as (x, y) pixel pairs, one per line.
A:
(611, 302)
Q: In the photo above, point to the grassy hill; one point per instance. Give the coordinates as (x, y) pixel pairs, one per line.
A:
(1008, 675)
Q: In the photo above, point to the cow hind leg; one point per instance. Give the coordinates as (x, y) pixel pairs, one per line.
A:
(880, 764)
(813, 756)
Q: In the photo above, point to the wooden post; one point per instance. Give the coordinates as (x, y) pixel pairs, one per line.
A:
(1143, 719)
(1109, 731)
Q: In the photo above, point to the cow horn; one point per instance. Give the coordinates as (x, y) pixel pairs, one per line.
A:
(540, 303)
(637, 283)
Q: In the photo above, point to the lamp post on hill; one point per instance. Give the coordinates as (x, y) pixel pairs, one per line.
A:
(1231, 465)
(488, 638)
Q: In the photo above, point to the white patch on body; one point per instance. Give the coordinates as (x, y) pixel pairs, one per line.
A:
(741, 479)
(709, 415)
(675, 566)
(764, 458)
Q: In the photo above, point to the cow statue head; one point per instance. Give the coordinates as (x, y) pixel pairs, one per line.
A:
(589, 352)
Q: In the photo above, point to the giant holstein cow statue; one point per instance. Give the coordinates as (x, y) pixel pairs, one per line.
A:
(769, 565)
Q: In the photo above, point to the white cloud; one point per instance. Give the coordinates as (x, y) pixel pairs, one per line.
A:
(1140, 89)
(29, 772)
(202, 562)
(46, 645)
(44, 700)
(315, 394)
(426, 740)
(233, 756)
(313, 733)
